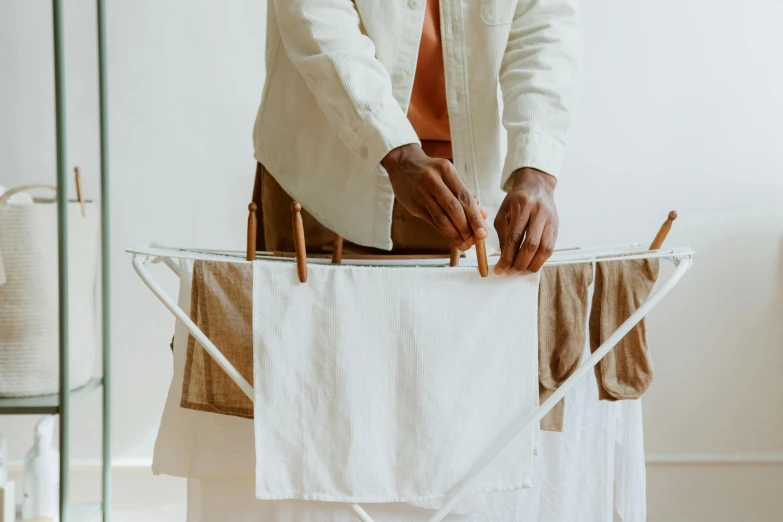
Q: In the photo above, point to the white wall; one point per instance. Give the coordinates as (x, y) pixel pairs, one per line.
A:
(185, 81)
(682, 109)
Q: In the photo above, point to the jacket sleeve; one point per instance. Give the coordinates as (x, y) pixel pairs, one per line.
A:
(324, 41)
(540, 78)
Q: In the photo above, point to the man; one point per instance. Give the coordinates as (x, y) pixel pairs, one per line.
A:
(383, 118)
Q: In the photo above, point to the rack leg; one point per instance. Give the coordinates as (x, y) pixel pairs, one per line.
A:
(496, 453)
(62, 247)
(105, 258)
(198, 335)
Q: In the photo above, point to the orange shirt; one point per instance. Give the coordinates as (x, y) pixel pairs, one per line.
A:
(428, 111)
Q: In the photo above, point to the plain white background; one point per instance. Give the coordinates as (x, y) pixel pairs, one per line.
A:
(682, 109)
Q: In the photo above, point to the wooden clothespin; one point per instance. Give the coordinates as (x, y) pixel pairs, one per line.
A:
(337, 250)
(455, 253)
(660, 237)
(481, 255)
(79, 194)
(252, 230)
(299, 241)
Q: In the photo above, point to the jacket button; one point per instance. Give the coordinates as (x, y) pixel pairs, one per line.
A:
(363, 152)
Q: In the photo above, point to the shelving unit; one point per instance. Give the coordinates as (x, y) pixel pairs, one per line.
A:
(45, 404)
(80, 512)
(60, 403)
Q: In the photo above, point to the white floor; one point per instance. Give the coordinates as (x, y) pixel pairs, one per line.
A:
(711, 493)
(137, 495)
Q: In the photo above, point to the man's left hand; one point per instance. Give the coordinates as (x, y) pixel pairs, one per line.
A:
(527, 223)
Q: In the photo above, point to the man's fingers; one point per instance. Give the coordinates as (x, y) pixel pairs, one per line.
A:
(501, 227)
(514, 235)
(531, 245)
(544, 250)
(443, 223)
(470, 208)
(455, 212)
(476, 218)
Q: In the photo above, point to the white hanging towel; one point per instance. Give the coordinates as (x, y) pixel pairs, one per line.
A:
(384, 384)
(574, 476)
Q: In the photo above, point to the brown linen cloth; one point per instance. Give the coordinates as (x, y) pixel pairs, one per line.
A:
(620, 288)
(410, 235)
(562, 331)
(222, 297)
(221, 305)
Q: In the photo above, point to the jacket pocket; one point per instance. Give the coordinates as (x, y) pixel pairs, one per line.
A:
(498, 12)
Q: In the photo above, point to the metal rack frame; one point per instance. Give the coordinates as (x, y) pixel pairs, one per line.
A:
(60, 403)
(682, 258)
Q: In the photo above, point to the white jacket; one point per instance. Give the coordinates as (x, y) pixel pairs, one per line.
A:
(339, 79)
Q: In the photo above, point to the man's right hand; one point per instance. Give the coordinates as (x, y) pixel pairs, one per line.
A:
(431, 189)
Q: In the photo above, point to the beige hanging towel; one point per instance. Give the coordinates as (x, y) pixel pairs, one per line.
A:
(562, 331)
(221, 306)
(386, 384)
(620, 288)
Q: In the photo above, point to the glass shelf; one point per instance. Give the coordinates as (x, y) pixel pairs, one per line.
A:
(79, 512)
(44, 404)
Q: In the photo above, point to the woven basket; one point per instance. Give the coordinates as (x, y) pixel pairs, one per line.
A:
(29, 334)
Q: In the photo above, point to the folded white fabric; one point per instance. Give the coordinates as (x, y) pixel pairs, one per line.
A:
(385, 384)
(192, 443)
(629, 465)
(574, 478)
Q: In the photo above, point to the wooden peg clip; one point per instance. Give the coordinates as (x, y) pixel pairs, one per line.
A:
(252, 230)
(79, 193)
(481, 255)
(660, 237)
(299, 241)
(337, 250)
(455, 253)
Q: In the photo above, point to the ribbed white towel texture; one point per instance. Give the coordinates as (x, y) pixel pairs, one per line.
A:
(388, 384)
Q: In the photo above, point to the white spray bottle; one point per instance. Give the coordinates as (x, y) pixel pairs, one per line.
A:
(42, 475)
(7, 505)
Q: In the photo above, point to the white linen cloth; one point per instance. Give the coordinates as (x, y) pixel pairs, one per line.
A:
(215, 453)
(389, 384)
(192, 443)
(574, 479)
(629, 470)
(339, 75)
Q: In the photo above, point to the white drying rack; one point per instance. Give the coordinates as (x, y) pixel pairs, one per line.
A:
(681, 257)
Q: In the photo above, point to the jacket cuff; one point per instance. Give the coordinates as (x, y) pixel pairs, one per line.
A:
(380, 133)
(533, 150)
